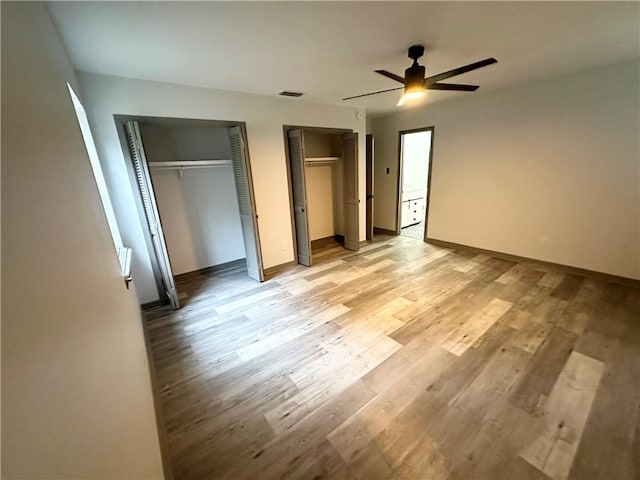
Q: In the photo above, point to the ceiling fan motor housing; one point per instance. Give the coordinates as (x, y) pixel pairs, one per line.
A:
(414, 76)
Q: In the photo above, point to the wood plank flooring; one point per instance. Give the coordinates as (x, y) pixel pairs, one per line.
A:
(404, 361)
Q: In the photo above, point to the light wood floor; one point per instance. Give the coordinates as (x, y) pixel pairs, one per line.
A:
(402, 361)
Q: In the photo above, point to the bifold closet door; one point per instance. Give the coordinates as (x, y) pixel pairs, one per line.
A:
(369, 188)
(350, 190)
(145, 186)
(299, 194)
(246, 203)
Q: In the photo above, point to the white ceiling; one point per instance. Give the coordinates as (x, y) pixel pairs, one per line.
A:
(328, 50)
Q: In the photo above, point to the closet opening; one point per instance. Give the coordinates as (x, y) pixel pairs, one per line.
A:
(195, 198)
(322, 169)
(414, 179)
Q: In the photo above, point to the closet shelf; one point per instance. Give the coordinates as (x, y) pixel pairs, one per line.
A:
(320, 161)
(181, 164)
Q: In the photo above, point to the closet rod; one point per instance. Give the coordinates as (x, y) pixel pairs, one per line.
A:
(320, 161)
(320, 164)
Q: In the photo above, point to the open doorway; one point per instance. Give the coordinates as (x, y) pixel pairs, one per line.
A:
(414, 179)
(196, 199)
(323, 179)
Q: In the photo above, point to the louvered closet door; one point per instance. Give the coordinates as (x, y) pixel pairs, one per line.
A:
(299, 191)
(246, 202)
(151, 211)
(369, 188)
(350, 190)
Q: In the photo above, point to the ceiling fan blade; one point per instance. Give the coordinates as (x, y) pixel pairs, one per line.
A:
(373, 93)
(452, 86)
(459, 71)
(390, 75)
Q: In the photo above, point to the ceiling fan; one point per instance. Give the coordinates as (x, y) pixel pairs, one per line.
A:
(415, 83)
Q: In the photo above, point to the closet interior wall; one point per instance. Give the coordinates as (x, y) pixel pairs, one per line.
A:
(324, 185)
(198, 206)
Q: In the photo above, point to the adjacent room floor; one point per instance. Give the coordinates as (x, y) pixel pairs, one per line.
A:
(404, 360)
(414, 231)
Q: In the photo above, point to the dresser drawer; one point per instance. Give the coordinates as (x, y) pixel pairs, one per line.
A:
(412, 211)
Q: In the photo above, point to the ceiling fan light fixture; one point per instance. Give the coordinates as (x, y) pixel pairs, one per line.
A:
(411, 95)
(412, 92)
(414, 80)
(415, 83)
(417, 92)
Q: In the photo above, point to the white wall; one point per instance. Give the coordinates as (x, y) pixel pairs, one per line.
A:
(557, 159)
(76, 392)
(318, 144)
(200, 217)
(176, 140)
(264, 117)
(199, 212)
(324, 185)
(319, 182)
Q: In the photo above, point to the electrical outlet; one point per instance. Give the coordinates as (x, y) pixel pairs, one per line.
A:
(543, 241)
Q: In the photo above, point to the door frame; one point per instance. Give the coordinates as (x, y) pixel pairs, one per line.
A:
(285, 130)
(432, 129)
(120, 121)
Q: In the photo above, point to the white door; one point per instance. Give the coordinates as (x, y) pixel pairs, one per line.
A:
(299, 194)
(350, 190)
(151, 211)
(246, 202)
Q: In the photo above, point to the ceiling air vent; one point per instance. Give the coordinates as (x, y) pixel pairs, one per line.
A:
(287, 93)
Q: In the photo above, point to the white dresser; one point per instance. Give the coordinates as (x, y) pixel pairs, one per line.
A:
(412, 211)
